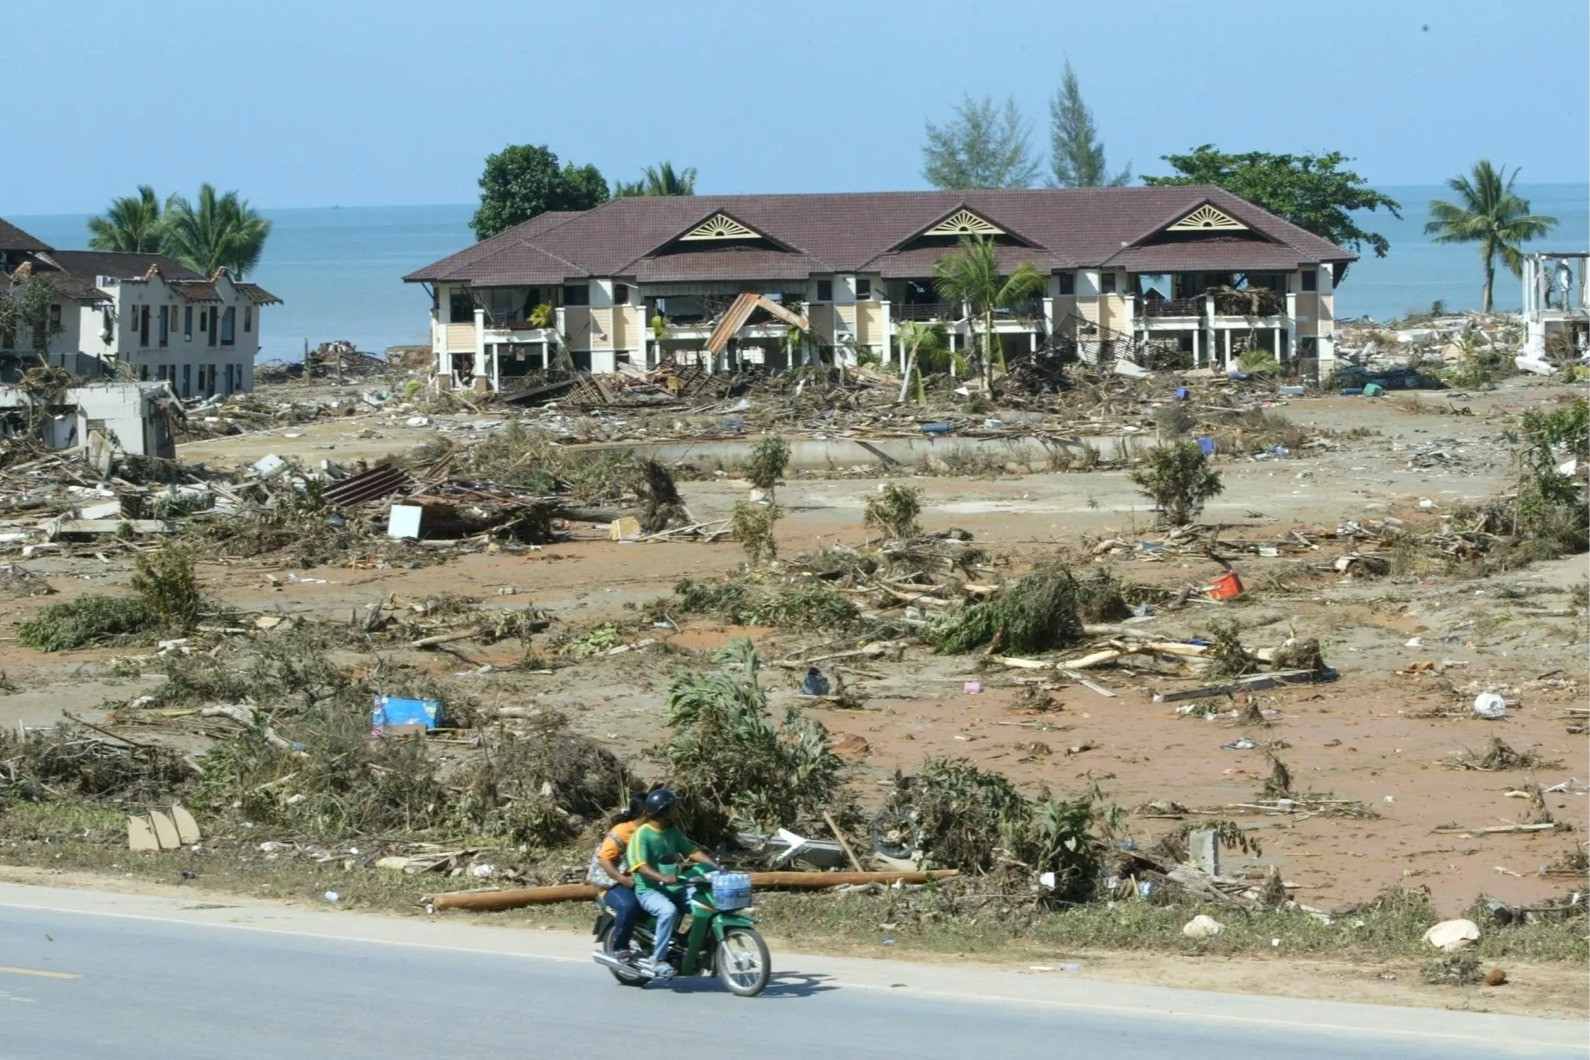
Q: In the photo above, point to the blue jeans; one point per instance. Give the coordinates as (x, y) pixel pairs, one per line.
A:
(625, 908)
(667, 909)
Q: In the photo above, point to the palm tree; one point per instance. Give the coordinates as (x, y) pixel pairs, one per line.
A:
(131, 224)
(223, 231)
(969, 275)
(919, 340)
(1489, 213)
(657, 181)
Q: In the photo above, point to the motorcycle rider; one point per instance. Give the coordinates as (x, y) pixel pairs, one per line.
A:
(655, 851)
(609, 871)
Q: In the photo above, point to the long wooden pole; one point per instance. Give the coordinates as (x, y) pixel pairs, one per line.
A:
(514, 898)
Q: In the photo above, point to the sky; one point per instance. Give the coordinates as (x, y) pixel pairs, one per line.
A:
(392, 102)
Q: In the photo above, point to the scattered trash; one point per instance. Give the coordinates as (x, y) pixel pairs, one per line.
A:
(971, 688)
(1453, 935)
(1495, 977)
(1226, 586)
(815, 683)
(159, 830)
(1202, 927)
(332, 896)
(394, 716)
(1490, 705)
(1243, 744)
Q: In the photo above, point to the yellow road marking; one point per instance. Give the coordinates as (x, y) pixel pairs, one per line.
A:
(38, 972)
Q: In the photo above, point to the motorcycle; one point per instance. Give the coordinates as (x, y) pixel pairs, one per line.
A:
(721, 938)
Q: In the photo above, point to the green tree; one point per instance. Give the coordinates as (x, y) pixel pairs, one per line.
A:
(132, 223)
(919, 341)
(220, 231)
(26, 299)
(523, 180)
(658, 181)
(1490, 213)
(970, 275)
(1178, 479)
(1311, 191)
(1077, 153)
(982, 146)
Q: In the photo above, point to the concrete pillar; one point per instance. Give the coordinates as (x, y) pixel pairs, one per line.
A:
(1275, 342)
(482, 369)
(1225, 360)
(887, 319)
(1291, 329)
(1198, 350)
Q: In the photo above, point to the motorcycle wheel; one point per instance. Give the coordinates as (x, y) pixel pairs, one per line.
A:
(744, 965)
(624, 978)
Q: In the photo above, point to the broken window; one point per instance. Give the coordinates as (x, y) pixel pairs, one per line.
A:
(229, 326)
(1310, 279)
(187, 323)
(577, 294)
(1106, 283)
(248, 319)
(825, 290)
(461, 307)
(863, 290)
(621, 294)
(1068, 283)
(165, 325)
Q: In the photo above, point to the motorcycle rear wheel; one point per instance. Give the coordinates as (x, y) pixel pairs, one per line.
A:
(744, 964)
(624, 979)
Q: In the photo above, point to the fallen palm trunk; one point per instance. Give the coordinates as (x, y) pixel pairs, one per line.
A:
(514, 898)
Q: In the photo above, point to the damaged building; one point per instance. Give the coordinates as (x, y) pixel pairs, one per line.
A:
(1189, 274)
(130, 316)
(1556, 323)
(138, 419)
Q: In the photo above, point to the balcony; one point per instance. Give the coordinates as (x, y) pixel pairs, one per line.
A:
(1171, 307)
(925, 311)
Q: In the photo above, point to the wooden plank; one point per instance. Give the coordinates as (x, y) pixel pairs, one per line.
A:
(516, 897)
(1241, 684)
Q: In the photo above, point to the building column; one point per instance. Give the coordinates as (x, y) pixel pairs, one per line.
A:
(1048, 320)
(482, 370)
(1225, 360)
(1275, 342)
(1291, 329)
(1197, 351)
(886, 310)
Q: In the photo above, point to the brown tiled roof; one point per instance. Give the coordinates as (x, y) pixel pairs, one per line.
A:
(1072, 228)
(256, 294)
(13, 238)
(1219, 254)
(89, 264)
(196, 291)
(66, 285)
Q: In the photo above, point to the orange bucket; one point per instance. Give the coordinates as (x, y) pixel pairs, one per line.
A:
(1226, 587)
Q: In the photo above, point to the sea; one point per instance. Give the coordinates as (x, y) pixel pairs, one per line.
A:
(339, 270)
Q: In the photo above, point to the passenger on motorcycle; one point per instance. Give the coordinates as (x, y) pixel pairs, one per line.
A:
(609, 872)
(655, 852)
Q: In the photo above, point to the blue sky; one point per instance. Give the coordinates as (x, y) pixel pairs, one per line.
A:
(384, 102)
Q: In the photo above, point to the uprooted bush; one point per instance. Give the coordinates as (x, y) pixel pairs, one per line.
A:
(726, 751)
(752, 526)
(1036, 613)
(69, 761)
(894, 511)
(738, 601)
(977, 821)
(166, 599)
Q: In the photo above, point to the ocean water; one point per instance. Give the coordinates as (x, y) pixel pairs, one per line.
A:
(340, 270)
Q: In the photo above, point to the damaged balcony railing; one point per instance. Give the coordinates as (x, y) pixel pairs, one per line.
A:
(924, 311)
(1171, 307)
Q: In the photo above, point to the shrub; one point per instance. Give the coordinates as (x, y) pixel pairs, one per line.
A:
(168, 600)
(1036, 613)
(1178, 479)
(894, 511)
(726, 750)
(767, 461)
(752, 526)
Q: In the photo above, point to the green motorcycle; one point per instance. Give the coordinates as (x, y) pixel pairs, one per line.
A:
(720, 937)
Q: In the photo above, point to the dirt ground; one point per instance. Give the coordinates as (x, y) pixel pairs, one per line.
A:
(1385, 736)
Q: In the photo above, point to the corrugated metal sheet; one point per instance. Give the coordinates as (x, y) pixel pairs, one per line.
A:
(380, 481)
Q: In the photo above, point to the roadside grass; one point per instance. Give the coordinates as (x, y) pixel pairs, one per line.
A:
(931, 921)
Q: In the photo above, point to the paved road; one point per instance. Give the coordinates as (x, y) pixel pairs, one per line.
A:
(93, 975)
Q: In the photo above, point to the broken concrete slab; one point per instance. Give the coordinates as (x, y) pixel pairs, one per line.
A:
(141, 834)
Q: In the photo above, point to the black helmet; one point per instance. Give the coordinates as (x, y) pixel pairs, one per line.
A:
(659, 801)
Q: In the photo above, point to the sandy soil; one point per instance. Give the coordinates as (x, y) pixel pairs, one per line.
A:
(1381, 736)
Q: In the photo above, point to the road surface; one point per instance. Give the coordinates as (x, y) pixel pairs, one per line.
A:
(85, 974)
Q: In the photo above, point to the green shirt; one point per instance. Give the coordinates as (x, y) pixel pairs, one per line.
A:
(659, 849)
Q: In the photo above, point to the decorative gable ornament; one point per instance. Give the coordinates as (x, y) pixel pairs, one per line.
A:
(719, 226)
(1207, 218)
(964, 223)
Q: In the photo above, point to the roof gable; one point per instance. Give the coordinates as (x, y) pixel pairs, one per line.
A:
(1205, 218)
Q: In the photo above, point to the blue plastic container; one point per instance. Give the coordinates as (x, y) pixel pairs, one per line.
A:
(935, 428)
(1207, 446)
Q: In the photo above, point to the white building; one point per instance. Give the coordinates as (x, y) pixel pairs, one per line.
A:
(134, 316)
(1556, 309)
(134, 418)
